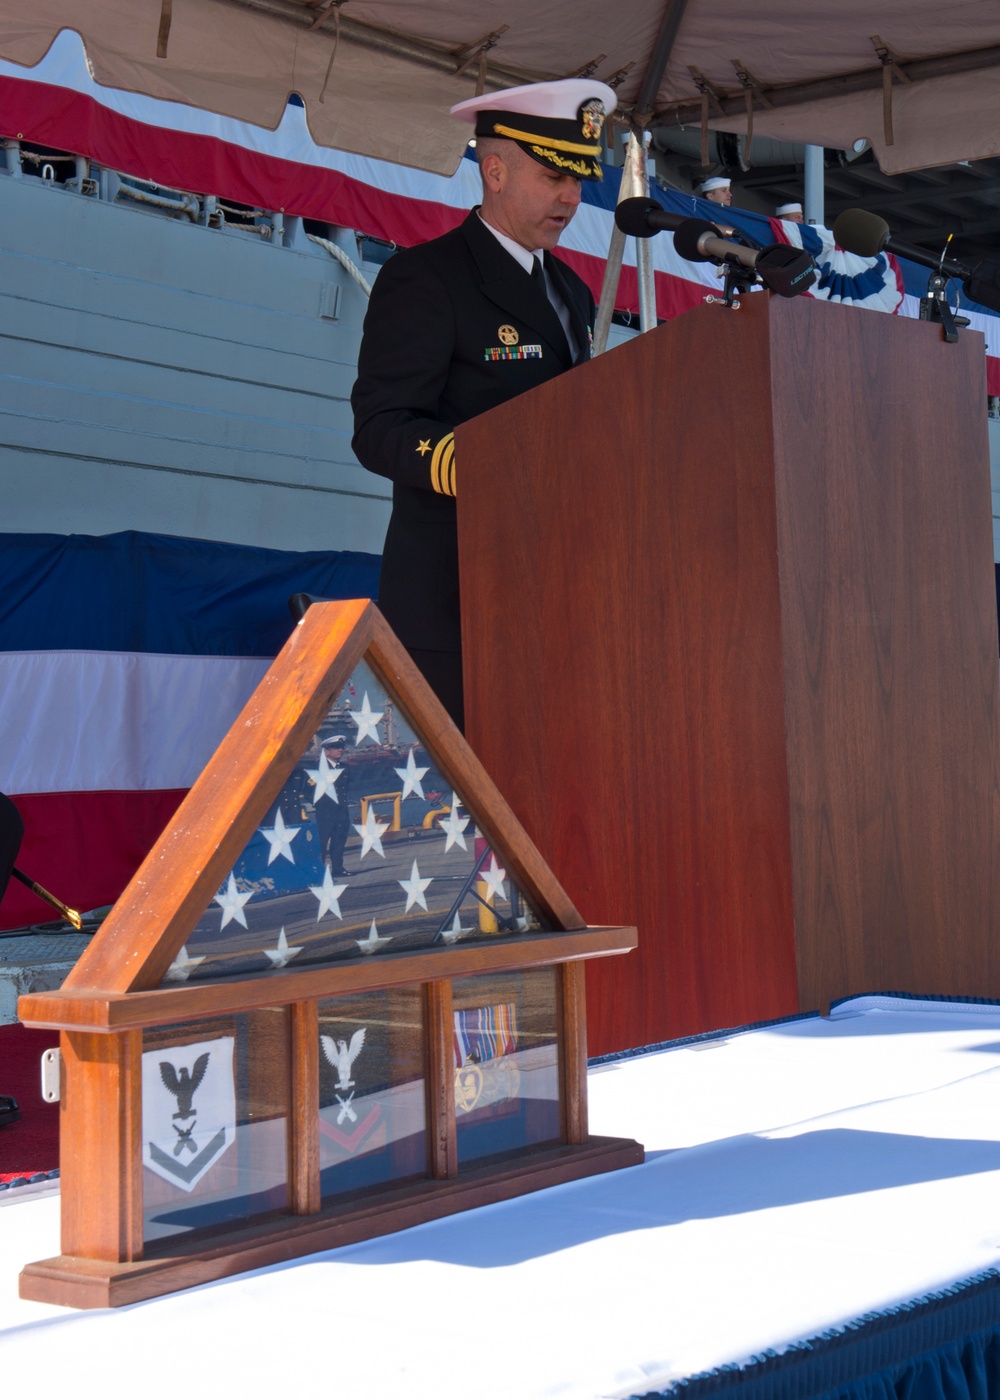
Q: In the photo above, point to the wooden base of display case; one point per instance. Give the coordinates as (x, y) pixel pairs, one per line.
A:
(93, 1283)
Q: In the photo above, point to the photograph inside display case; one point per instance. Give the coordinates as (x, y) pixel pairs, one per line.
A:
(367, 851)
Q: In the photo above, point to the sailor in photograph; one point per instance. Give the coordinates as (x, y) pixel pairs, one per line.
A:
(463, 323)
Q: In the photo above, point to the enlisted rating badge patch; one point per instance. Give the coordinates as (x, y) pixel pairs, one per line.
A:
(188, 1109)
(513, 352)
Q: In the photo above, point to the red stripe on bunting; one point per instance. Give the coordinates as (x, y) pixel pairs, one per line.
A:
(673, 294)
(70, 121)
(83, 847)
(55, 116)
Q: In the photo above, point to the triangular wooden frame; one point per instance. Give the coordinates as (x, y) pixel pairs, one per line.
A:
(116, 989)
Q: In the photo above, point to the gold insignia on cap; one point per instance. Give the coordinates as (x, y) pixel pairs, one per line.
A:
(507, 335)
(592, 116)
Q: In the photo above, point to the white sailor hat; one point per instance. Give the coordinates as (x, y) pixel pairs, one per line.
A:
(558, 124)
(717, 182)
(793, 208)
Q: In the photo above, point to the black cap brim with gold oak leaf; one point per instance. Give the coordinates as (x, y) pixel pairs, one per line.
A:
(559, 124)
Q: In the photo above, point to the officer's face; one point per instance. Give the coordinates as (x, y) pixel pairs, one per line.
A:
(526, 200)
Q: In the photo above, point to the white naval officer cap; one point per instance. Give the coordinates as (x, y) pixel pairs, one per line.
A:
(559, 124)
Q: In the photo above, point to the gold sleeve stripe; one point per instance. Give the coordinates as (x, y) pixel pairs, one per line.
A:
(448, 470)
(442, 453)
(549, 142)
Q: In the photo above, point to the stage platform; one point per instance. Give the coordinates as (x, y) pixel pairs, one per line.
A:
(833, 1180)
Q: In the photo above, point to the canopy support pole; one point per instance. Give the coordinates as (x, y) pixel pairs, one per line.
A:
(635, 181)
(814, 200)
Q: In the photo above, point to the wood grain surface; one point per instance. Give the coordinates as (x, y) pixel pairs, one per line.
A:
(100, 1145)
(93, 1011)
(441, 1134)
(621, 627)
(889, 630)
(742, 529)
(303, 1115)
(573, 1047)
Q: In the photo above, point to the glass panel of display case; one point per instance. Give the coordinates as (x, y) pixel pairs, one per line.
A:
(367, 851)
(507, 1094)
(372, 1098)
(214, 1129)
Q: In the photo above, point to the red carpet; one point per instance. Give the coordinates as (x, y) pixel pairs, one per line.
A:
(32, 1144)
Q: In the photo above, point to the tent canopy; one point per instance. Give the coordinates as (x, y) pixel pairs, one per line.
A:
(914, 77)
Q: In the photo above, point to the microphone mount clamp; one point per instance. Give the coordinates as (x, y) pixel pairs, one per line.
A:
(738, 278)
(934, 307)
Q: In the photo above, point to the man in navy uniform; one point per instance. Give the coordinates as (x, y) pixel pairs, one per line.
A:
(463, 323)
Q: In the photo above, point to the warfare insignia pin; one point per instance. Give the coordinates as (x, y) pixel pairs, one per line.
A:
(507, 335)
(592, 116)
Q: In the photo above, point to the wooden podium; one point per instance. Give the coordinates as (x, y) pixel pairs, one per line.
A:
(731, 654)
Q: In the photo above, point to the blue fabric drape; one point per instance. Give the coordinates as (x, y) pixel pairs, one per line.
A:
(137, 592)
(942, 1347)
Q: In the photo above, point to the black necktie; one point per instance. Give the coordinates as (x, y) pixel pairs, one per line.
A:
(540, 283)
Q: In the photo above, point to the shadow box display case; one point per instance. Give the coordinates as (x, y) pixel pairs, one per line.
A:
(342, 995)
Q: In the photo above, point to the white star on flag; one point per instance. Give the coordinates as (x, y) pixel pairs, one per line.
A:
(328, 895)
(325, 777)
(282, 954)
(453, 934)
(493, 879)
(414, 888)
(453, 825)
(280, 837)
(231, 903)
(373, 942)
(371, 834)
(367, 721)
(411, 776)
(182, 966)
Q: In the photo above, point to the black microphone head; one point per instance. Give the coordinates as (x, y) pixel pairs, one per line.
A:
(983, 284)
(786, 270)
(686, 239)
(862, 233)
(631, 216)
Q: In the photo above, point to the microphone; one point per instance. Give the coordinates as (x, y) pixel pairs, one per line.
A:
(867, 235)
(642, 217)
(698, 240)
(784, 269)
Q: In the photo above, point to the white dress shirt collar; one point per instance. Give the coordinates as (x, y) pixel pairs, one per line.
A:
(519, 254)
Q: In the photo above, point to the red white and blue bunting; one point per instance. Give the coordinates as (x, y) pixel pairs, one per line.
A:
(57, 103)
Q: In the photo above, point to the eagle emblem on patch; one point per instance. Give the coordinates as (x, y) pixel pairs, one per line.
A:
(592, 116)
(188, 1109)
(507, 335)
